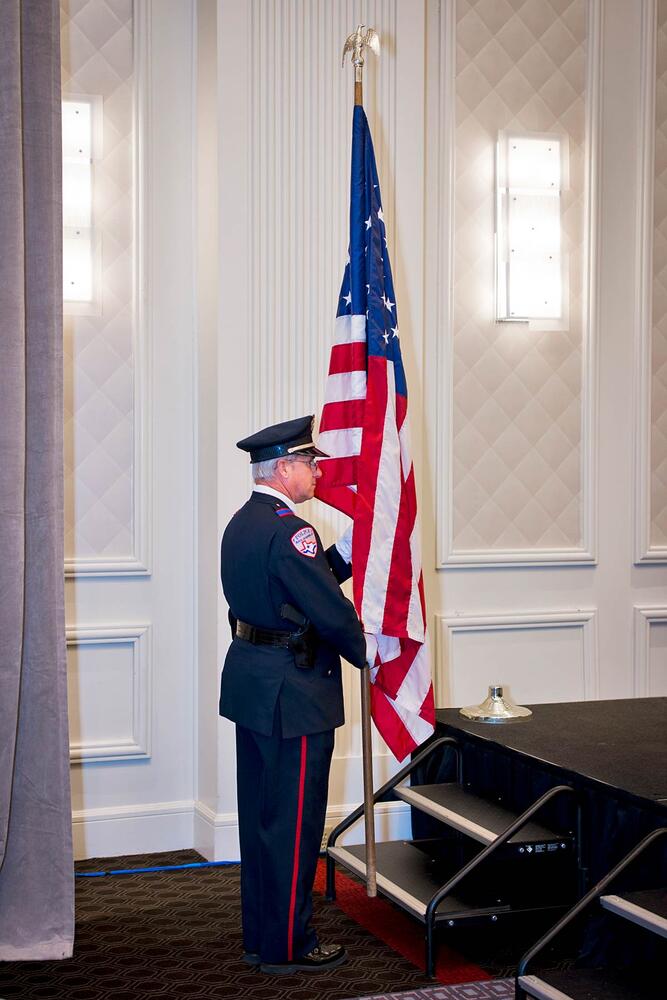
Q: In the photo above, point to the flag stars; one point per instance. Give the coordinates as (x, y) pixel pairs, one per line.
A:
(369, 222)
(381, 214)
(388, 303)
(394, 332)
(386, 337)
(347, 299)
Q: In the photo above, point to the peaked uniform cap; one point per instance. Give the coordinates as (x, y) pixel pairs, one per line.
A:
(291, 437)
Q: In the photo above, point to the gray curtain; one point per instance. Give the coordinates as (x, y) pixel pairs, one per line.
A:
(36, 871)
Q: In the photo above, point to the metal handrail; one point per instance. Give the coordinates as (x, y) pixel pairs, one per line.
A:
(500, 840)
(590, 896)
(387, 787)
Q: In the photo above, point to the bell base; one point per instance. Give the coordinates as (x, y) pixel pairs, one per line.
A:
(495, 709)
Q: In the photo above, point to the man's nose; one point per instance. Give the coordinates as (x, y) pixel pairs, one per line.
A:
(318, 472)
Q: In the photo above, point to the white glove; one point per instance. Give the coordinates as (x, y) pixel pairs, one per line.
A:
(371, 648)
(344, 545)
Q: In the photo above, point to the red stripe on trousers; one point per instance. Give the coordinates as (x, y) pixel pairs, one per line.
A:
(297, 848)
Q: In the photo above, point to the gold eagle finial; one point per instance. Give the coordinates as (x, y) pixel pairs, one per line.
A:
(358, 41)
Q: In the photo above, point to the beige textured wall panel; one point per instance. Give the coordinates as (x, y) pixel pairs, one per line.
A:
(658, 502)
(97, 59)
(517, 393)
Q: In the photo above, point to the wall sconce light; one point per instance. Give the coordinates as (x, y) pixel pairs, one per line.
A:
(81, 127)
(531, 269)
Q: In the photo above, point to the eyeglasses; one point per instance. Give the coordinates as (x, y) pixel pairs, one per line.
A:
(312, 462)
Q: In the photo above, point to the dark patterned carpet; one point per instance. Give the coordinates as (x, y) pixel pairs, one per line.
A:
(177, 934)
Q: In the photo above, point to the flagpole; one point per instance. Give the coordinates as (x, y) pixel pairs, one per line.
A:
(356, 44)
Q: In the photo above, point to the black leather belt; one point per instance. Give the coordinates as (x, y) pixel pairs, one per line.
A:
(263, 636)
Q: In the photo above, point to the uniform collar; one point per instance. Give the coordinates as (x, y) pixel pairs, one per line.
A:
(269, 491)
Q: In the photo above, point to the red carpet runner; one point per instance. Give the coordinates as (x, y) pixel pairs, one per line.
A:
(396, 929)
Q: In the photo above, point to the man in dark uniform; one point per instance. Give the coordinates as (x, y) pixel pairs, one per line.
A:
(281, 685)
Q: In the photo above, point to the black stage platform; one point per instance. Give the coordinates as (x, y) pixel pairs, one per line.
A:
(619, 747)
(613, 753)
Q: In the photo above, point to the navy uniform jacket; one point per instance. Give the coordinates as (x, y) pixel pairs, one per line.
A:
(270, 556)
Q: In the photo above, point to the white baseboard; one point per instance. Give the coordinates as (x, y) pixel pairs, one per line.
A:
(138, 829)
(174, 826)
(216, 835)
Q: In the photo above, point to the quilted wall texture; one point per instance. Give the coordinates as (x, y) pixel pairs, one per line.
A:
(96, 38)
(516, 392)
(658, 531)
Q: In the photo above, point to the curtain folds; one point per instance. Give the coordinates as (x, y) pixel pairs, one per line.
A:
(36, 870)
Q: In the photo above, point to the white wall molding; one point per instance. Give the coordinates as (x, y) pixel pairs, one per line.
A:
(216, 835)
(442, 190)
(448, 627)
(644, 617)
(132, 829)
(644, 551)
(137, 563)
(137, 743)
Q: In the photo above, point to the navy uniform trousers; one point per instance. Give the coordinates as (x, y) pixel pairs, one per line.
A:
(281, 821)
(285, 715)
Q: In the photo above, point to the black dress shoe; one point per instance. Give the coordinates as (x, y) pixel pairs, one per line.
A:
(251, 958)
(320, 959)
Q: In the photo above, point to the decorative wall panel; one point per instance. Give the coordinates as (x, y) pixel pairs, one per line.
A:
(109, 692)
(658, 381)
(650, 654)
(101, 420)
(521, 396)
(539, 657)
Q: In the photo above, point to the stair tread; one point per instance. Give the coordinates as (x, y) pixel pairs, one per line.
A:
(647, 907)
(473, 815)
(410, 873)
(589, 984)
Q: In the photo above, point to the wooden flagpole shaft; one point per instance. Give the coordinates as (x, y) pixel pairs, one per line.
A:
(358, 93)
(367, 757)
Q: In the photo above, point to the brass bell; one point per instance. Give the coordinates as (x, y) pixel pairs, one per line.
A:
(495, 708)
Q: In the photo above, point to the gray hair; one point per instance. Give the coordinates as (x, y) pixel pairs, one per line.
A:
(264, 470)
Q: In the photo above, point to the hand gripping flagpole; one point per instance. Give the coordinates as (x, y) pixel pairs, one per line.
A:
(356, 44)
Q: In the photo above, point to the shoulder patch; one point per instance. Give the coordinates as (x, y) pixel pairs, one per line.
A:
(305, 542)
(284, 512)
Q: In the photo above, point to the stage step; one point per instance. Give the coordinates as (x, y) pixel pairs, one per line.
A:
(410, 874)
(588, 984)
(647, 909)
(478, 818)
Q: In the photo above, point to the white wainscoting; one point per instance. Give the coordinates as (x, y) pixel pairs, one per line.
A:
(538, 657)
(650, 659)
(216, 835)
(109, 691)
(136, 829)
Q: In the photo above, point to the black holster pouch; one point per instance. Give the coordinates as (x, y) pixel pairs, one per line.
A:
(302, 642)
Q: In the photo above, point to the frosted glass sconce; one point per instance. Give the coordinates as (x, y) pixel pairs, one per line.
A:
(531, 269)
(81, 118)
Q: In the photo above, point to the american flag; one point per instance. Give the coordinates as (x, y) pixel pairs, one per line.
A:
(370, 475)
